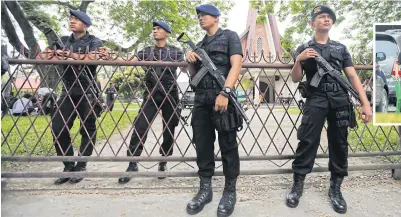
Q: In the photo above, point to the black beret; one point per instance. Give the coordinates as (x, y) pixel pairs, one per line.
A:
(163, 25)
(82, 16)
(208, 9)
(321, 9)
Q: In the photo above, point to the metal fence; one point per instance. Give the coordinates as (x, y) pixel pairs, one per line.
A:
(264, 89)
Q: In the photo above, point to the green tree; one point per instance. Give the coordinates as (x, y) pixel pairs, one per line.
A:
(135, 18)
(132, 18)
(359, 17)
(129, 82)
(31, 18)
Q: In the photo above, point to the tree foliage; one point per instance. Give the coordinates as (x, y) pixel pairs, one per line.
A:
(32, 20)
(135, 18)
(129, 81)
(125, 22)
(358, 18)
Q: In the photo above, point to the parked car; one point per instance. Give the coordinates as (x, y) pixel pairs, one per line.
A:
(381, 90)
(388, 46)
(188, 100)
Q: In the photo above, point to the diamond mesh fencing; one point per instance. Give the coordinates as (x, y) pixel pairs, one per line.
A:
(65, 109)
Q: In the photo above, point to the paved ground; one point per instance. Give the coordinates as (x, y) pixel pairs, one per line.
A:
(369, 193)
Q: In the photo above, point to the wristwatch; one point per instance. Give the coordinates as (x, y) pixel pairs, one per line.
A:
(227, 90)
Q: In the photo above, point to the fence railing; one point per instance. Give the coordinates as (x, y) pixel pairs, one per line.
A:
(264, 90)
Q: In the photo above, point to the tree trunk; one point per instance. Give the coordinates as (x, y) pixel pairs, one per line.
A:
(24, 13)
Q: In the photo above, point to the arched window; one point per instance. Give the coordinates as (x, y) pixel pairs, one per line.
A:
(260, 46)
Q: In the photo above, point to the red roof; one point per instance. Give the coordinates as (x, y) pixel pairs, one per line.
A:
(30, 83)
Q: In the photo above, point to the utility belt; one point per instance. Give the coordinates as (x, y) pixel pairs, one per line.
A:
(344, 117)
(305, 89)
(329, 87)
(207, 84)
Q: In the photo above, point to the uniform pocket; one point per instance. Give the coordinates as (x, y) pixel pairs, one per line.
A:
(301, 129)
(343, 117)
(337, 56)
(219, 48)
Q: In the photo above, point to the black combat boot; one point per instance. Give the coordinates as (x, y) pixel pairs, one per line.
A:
(132, 167)
(80, 167)
(227, 202)
(68, 167)
(203, 197)
(162, 168)
(336, 198)
(292, 199)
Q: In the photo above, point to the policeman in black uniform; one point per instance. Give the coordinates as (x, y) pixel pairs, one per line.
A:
(224, 49)
(80, 91)
(155, 99)
(329, 101)
(110, 96)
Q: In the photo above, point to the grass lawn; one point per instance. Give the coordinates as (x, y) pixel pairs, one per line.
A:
(41, 141)
(374, 138)
(365, 138)
(388, 118)
(291, 111)
(132, 105)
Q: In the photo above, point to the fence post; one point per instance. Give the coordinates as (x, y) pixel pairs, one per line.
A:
(397, 172)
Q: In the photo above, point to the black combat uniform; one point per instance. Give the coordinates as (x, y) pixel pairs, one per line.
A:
(220, 47)
(154, 100)
(328, 101)
(80, 91)
(149, 108)
(110, 97)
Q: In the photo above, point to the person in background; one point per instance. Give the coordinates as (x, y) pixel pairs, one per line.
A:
(111, 93)
(23, 106)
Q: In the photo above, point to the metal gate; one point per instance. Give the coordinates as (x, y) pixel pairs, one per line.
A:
(267, 144)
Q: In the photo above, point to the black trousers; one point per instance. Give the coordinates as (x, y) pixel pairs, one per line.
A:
(4, 104)
(64, 115)
(205, 135)
(48, 102)
(147, 113)
(309, 135)
(110, 104)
